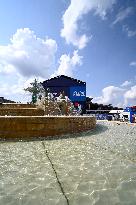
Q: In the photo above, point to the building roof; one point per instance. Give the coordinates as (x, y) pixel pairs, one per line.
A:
(62, 80)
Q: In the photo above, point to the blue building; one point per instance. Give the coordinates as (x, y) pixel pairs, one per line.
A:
(73, 88)
(130, 113)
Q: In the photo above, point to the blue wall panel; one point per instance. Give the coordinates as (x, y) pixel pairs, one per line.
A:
(78, 93)
(101, 116)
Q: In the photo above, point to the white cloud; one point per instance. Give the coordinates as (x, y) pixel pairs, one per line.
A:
(133, 63)
(28, 57)
(110, 95)
(130, 96)
(15, 90)
(67, 64)
(123, 14)
(25, 58)
(27, 54)
(126, 83)
(75, 12)
(129, 32)
(118, 96)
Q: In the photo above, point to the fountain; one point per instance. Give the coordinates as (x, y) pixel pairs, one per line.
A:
(48, 116)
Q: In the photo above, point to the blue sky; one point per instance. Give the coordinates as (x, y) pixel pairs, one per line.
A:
(91, 40)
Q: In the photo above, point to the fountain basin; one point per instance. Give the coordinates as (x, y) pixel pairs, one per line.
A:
(21, 112)
(16, 105)
(43, 126)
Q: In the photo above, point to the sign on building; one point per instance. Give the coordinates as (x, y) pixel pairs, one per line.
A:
(78, 93)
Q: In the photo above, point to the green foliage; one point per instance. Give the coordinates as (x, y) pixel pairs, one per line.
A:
(34, 99)
(35, 89)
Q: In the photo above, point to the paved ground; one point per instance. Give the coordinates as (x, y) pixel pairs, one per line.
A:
(98, 167)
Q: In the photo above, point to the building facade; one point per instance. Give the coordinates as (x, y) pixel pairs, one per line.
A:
(73, 88)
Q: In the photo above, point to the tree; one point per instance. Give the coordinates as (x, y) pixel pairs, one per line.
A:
(35, 89)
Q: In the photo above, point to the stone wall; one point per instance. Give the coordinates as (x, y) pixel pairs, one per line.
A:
(21, 112)
(16, 105)
(43, 126)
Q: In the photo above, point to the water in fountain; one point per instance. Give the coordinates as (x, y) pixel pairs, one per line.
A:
(61, 105)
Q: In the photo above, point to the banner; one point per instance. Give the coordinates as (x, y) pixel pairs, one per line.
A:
(78, 93)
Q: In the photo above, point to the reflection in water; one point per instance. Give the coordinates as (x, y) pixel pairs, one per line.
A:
(98, 167)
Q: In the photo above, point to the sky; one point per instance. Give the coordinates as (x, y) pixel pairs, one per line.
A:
(90, 40)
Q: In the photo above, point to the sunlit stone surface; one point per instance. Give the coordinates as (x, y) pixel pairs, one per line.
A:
(95, 168)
